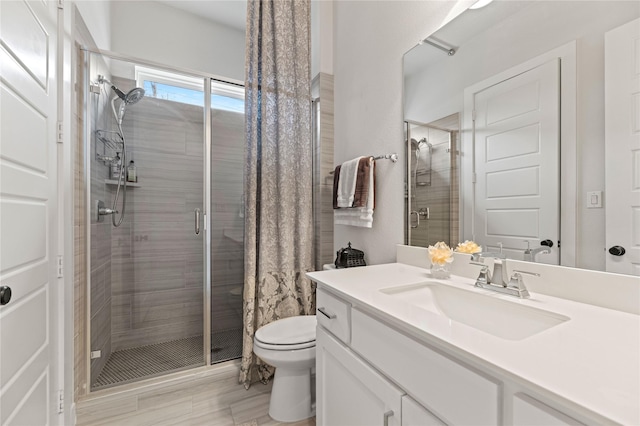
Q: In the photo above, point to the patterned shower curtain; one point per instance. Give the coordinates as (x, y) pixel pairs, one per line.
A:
(278, 172)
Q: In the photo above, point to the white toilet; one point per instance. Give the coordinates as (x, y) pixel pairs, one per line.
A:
(289, 345)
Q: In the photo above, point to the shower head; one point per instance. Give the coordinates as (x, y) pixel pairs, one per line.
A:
(129, 98)
(419, 145)
(134, 95)
(423, 142)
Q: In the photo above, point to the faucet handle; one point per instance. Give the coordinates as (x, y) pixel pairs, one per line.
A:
(518, 272)
(518, 283)
(484, 265)
(484, 277)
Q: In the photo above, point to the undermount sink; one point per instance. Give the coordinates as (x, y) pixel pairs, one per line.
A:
(501, 318)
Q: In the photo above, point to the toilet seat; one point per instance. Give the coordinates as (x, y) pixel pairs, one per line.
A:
(288, 334)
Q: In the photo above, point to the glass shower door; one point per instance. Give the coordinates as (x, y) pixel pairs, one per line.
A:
(147, 274)
(432, 182)
(227, 226)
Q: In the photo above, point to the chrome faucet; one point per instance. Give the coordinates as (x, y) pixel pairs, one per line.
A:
(497, 279)
(530, 254)
(495, 275)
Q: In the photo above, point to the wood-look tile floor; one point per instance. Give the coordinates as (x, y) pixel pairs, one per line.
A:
(212, 399)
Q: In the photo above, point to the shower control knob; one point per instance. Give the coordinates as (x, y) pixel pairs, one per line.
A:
(5, 295)
(617, 251)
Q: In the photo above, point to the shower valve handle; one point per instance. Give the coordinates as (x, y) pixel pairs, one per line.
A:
(104, 211)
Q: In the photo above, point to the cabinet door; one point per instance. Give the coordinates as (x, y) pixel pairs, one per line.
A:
(529, 411)
(414, 414)
(350, 392)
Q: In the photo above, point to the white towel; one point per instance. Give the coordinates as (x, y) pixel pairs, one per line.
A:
(358, 216)
(347, 182)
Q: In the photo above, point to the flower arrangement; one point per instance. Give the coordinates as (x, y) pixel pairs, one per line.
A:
(468, 247)
(440, 253)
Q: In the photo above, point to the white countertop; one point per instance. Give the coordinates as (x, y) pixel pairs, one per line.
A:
(591, 362)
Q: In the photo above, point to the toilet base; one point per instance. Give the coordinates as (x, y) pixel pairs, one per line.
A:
(291, 399)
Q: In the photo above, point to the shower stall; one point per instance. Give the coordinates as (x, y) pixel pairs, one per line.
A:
(163, 167)
(432, 182)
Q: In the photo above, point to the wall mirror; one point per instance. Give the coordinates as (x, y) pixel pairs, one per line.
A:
(506, 137)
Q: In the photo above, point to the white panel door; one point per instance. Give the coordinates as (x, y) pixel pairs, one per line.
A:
(28, 105)
(622, 148)
(349, 391)
(517, 162)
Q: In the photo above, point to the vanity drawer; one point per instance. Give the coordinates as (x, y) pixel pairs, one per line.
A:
(334, 315)
(453, 392)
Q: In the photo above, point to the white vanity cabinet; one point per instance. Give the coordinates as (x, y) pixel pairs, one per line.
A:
(370, 373)
(349, 391)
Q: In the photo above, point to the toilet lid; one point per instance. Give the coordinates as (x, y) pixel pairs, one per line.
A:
(288, 331)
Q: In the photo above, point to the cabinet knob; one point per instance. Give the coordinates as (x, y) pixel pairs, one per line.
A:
(5, 295)
(617, 251)
(547, 243)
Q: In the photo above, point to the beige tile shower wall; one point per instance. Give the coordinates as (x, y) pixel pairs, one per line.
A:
(323, 180)
(157, 261)
(227, 209)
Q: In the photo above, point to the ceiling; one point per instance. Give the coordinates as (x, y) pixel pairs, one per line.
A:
(231, 13)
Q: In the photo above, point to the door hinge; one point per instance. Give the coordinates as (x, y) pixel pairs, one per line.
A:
(60, 266)
(61, 401)
(60, 4)
(473, 115)
(60, 132)
(95, 354)
(474, 177)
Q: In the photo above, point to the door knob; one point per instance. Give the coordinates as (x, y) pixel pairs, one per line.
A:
(547, 243)
(5, 294)
(617, 251)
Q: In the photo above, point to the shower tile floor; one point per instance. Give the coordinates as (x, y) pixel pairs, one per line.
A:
(129, 365)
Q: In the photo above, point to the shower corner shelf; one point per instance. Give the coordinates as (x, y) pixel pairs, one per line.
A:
(115, 182)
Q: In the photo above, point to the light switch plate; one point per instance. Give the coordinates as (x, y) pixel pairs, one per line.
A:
(594, 199)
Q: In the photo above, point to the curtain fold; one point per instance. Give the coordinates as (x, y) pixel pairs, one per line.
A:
(278, 172)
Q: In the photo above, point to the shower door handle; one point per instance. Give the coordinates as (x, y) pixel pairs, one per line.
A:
(197, 213)
(417, 219)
